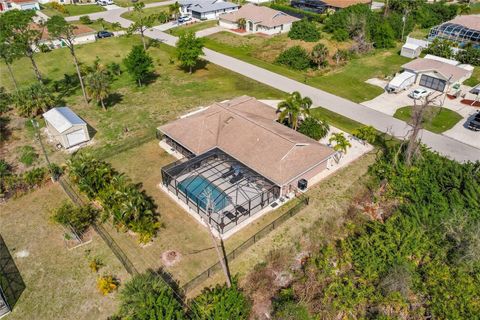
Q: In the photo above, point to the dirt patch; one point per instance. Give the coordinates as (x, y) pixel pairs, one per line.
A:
(171, 257)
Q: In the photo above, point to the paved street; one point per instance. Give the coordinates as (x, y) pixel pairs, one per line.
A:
(447, 146)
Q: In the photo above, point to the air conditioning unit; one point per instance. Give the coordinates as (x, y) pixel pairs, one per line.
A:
(302, 184)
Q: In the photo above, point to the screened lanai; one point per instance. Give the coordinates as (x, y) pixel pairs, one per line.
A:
(219, 188)
(457, 33)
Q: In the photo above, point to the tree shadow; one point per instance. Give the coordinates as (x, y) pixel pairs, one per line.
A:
(170, 280)
(66, 86)
(5, 131)
(150, 78)
(113, 99)
(201, 64)
(11, 281)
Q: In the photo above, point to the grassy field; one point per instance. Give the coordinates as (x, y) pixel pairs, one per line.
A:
(131, 15)
(437, 119)
(136, 111)
(335, 119)
(58, 282)
(193, 27)
(347, 81)
(129, 3)
(72, 10)
(98, 26)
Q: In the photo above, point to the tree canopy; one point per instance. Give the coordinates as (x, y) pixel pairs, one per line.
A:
(189, 50)
(139, 65)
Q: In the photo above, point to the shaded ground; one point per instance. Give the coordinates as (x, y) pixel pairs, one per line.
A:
(58, 281)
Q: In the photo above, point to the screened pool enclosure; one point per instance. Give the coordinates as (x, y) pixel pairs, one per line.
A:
(220, 189)
(457, 33)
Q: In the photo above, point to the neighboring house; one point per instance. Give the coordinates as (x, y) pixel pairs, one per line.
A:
(239, 160)
(19, 5)
(83, 34)
(206, 9)
(432, 72)
(462, 29)
(66, 127)
(321, 6)
(258, 19)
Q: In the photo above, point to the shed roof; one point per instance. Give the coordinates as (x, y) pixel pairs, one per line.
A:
(264, 16)
(62, 118)
(247, 130)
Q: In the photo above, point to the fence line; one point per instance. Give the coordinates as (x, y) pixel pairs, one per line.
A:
(107, 238)
(262, 233)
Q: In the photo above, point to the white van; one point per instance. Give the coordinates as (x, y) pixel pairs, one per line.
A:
(104, 2)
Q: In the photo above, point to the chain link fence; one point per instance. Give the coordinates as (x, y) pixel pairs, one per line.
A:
(304, 201)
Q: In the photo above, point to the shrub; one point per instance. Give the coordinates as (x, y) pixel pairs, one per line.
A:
(86, 20)
(298, 12)
(59, 7)
(28, 155)
(383, 36)
(313, 128)
(295, 57)
(114, 69)
(304, 30)
(366, 133)
(148, 294)
(35, 177)
(107, 284)
(470, 55)
(221, 303)
(440, 48)
(79, 218)
(95, 264)
(44, 48)
(340, 35)
(341, 56)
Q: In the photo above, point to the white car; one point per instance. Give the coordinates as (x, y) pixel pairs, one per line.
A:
(419, 93)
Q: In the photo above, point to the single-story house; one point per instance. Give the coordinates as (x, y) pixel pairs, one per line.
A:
(19, 5)
(83, 34)
(258, 19)
(206, 9)
(66, 127)
(438, 73)
(321, 6)
(239, 160)
(463, 29)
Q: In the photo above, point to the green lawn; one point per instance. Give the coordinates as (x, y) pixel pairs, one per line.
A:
(336, 120)
(347, 81)
(72, 10)
(194, 27)
(436, 119)
(129, 3)
(98, 26)
(137, 111)
(131, 15)
(475, 8)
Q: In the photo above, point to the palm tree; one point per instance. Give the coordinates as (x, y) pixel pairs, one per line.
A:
(33, 100)
(242, 23)
(174, 10)
(116, 26)
(98, 84)
(319, 55)
(293, 108)
(341, 143)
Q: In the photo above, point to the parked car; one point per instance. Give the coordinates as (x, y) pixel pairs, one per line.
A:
(104, 34)
(474, 124)
(104, 2)
(183, 19)
(419, 93)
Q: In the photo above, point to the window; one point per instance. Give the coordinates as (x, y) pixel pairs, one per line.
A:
(432, 83)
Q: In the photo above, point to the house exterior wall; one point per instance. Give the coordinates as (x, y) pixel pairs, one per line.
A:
(62, 137)
(227, 24)
(410, 53)
(55, 43)
(211, 15)
(25, 6)
(256, 28)
(310, 176)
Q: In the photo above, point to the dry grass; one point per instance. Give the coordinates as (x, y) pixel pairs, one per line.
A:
(59, 283)
(324, 217)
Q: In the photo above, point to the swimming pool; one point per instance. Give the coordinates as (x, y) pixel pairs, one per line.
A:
(200, 190)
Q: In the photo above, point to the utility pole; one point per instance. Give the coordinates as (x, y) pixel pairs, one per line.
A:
(221, 257)
(37, 133)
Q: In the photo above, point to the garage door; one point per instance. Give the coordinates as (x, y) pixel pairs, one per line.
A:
(76, 137)
(432, 83)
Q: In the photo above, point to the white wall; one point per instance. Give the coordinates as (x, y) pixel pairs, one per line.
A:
(25, 6)
(227, 24)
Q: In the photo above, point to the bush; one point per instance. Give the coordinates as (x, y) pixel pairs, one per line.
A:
(59, 7)
(366, 133)
(304, 30)
(313, 128)
(340, 35)
(44, 48)
(86, 20)
(298, 12)
(383, 36)
(148, 294)
(440, 48)
(470, 55)
(107, 284)
(295, 57)
(28, 155)
(221, 303)
(79, 218)
(35, 177)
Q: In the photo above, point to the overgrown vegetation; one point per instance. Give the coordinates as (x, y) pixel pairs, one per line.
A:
(78, 218)
(304, 30)
(123, 201)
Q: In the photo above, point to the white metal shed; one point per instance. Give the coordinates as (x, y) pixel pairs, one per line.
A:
(66, 127)
(411, 50)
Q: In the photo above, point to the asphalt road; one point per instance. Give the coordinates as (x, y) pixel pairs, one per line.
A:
(449, 147)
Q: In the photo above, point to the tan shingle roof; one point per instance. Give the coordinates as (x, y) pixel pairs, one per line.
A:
(80, 29)
(445, 69)
(245, 128)
(264, 16)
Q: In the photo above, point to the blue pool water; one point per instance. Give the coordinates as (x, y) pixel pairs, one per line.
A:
(197, 188)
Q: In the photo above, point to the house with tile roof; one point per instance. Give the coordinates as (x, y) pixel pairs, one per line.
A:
(206, 9)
